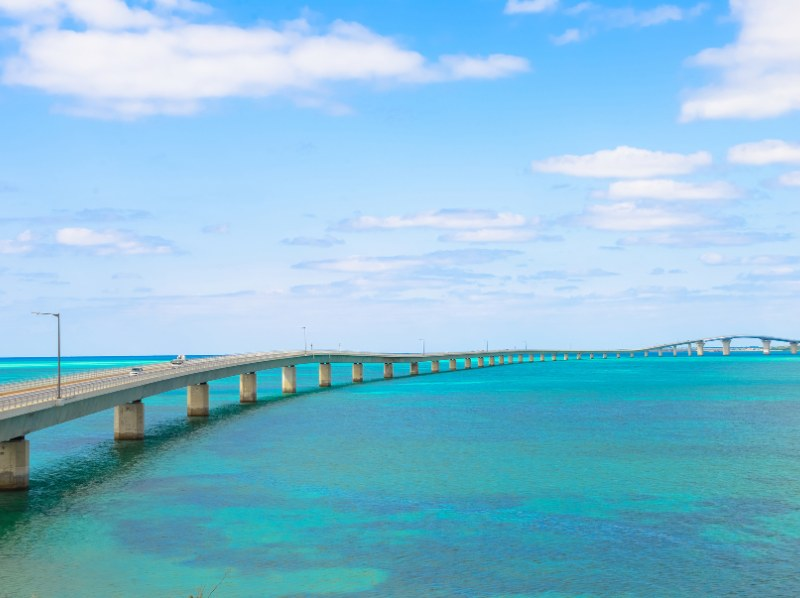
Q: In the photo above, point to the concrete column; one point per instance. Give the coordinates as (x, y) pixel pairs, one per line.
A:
(566, 356)
(197, 400)
(553, 357)
(435, 366)
(689, 349)
(467, 363)
(324, 374)
(631, 354)
(647, 353)
(793, 348)
(530, 357)
(452, 364)
(388, 371)
(579, 356)
(767, 346)
(675, 351)
(358, 372)
(605, 355)
(591, 355)
(491, 360)
(541, 356)
(701, 345)
(15, 457)
(618, 355)
(288, 380)
(726, 346)
(247, 388)
(661, 352)
(413, 369)
(129, 421)
(481, 362)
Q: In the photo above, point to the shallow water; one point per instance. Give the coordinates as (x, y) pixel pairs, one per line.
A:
(632, 477)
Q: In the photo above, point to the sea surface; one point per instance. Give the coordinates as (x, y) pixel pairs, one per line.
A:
(642, 477)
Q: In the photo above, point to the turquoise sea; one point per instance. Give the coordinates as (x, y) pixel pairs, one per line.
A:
(631, 477)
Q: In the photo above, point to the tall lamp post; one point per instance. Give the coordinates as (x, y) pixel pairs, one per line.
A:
(305, 344)
(57, 316)
(423, 345)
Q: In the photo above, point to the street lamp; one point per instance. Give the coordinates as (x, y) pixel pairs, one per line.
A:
(305, 344)
(487, 346)
(57, 316)
(423, 345)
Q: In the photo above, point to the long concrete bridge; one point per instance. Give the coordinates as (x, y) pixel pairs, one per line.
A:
(31, 405)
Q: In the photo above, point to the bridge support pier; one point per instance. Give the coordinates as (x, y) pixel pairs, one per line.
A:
(435, 366)
(388, 371)
(591, 355)
(647, 353)
(452, 365)
(701, 345)
(324, 374)
(358, 372)
(566, 356)
(767, 346)
(793, 348)
(467, 363)
(413, 369)
(619, 355)
(288, 380)
(541, 356)
(726, 346)
(632, 354)
(605, 355)
(579, 356)
(661, 352)
(15, 456)
(481, 362)
(197, 400)
(689, 349)
(530, 357)
(553, 357)
(675, 351)
(247, 388)
(491, 360)
(129, 421)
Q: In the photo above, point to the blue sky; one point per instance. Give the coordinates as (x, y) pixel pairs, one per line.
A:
(181, 176)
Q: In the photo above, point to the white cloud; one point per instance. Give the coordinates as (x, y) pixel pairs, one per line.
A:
(101, 14)
(769, 151)
(717, 259)
(441, 219)
(21, 244)
(759, 73)
(529, 6)
(628, 216)
(570, 36)
(172, 67)
(664, 13)
(623, 162)
(110, 242)
(790, 179)
(492, 235)
(668, 190)
(705, 239)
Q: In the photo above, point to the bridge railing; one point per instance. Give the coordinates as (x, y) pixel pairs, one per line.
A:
(119, 378)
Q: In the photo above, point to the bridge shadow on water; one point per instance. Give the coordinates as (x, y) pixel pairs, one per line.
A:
(56, 485)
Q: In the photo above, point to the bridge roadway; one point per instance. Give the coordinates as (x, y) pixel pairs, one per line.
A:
(33, 405)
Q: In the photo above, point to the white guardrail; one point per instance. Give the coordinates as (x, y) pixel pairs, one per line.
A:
(73, 386)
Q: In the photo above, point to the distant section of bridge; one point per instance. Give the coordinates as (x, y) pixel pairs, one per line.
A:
(30, 405)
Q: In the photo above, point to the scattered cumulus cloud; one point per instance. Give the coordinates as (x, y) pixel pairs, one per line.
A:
(628, 216)
(758, 75)
(128, 62)
(623, 162)
(514, 7)
(669, 190)
(718, 259)
(769, 151)
(666, 271)
(23, 243)
(570, 36)
(372, 264)
(790, 179)
(705, 239)
(497, 235)
(217, 229)
(568, 274)
(327, 241)
(440, 219)
(112, 242)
